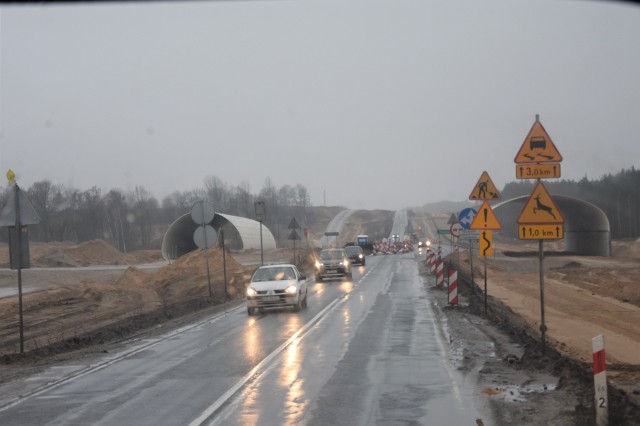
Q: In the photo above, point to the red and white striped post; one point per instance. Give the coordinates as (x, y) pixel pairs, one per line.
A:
(453, 287)
(433, 263)
(600, 381)
(440, 274)
(428, 259)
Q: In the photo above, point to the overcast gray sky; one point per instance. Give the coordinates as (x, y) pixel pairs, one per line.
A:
(378, 104)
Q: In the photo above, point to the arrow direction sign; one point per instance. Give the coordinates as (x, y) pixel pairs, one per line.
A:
(538, 171)
(466, 216)
(541, 232)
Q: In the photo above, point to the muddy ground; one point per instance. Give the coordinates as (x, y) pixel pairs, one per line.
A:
(584, 297)
(83, 313)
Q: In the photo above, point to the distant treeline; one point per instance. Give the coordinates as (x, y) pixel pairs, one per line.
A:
(617, 195)
(136, 220)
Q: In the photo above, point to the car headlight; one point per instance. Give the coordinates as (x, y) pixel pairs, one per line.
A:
(292, 289)
(318, 264)
(251, 292)
(360, 256)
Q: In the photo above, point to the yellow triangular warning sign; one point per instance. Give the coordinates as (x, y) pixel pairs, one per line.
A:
(485, 189)
(485, 219)
(538, 147)
(540, 208)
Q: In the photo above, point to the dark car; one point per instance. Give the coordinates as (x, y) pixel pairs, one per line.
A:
(356, 255)
(333, 263)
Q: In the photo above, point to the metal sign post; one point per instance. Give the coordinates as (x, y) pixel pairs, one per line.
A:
(16, 216)
(332, 234)
(224, 262)
(19, 265)
(543, 326)
(260, 214)
(202, 213)
(540, 218)
(293, 225)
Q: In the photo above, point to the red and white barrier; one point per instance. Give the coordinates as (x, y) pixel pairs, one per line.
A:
(440, 274)
(600, 381)
(453, 287)
(432, 268)
(428, 259)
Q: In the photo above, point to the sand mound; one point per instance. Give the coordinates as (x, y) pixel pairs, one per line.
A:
(67, 254)
(133, 276)
(187, 277)
(626, 249)
(95, 252)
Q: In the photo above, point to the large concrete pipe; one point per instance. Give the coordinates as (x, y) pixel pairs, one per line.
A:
(239, 233)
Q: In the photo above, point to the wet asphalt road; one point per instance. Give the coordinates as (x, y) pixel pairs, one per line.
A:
(364, 352)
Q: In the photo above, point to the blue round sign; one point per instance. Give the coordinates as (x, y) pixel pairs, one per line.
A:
(466, 216)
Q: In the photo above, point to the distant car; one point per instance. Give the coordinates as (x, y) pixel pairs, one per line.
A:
(356, 255)
(424, 244)
(333, 263)
(275, 286)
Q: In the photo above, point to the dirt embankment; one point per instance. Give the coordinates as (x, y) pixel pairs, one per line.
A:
(82, 308)
(584, 296)
(94, 252)
(83, 311)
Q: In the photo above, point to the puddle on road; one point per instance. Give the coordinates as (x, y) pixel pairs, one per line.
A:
(518, 393)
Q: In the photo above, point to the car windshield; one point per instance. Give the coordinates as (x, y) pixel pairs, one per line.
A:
(274, 274)
(353, 250)
(332, 255)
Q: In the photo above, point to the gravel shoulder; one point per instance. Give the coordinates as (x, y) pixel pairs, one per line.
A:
(502, 350)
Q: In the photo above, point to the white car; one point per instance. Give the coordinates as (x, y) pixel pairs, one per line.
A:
(275, 286)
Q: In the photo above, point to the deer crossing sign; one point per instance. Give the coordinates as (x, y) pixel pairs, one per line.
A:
(540, 208)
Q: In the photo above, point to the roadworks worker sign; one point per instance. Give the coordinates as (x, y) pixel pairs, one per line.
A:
(538, 147)
(485, 189)
(540, 208)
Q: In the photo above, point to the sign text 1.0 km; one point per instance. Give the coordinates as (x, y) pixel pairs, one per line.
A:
(541, 232)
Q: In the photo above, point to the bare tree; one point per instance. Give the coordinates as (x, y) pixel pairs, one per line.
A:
(45, 197)
(242, 201)
(142, 213)
(218, 193)
(116, 208)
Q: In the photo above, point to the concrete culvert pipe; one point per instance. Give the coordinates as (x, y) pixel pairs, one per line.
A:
(239, 233)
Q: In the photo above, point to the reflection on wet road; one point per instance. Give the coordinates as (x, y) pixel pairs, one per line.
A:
(363, 352)
(377, 358)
